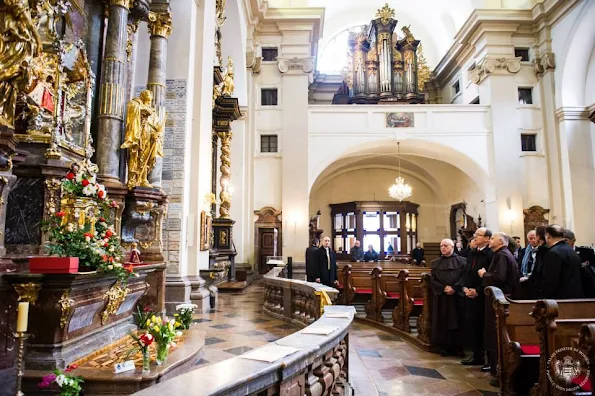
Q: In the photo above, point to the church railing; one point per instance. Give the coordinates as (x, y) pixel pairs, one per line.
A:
(321, 366)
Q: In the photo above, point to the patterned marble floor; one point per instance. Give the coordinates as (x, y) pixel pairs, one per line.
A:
(377, 359)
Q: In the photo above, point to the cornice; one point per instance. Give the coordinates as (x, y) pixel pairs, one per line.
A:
(572, 113)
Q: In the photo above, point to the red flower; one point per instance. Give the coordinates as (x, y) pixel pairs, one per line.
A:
(114, 204)
(111, 259)
(88, 235)
(104, 257)
(147, 309)
(105, 245)
(101, 220)
(129, 268)
(60, 214)
(108, 233)
(85, 182)
(70, 175)
(71, 367)
(146, 339)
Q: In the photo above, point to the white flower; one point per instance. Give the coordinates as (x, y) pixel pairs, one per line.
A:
(178, 333)
(79, 177)
(70, 227)
(186, 306)
(52, 210)
(103, 224)
(90, 190)
(111, 249)
(88, 238)
(117, 265)
(110, 267)
(60, 380)
(92, 180)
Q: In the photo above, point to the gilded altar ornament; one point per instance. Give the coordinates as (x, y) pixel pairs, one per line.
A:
(225, 168)
(19, 44)
(115, 297)
(65, 308)
(27, 292)
(160, 24)
(385, 14)
(228, 84)
(219, 21)
(144, 138)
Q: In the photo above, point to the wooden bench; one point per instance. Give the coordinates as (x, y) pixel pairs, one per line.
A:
(556, 333)
(411, 298)
(424, 322)
(519, 344)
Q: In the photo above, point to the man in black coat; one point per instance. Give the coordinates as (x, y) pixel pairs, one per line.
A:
(561, 276)
(326, 264)
(474, 303)
(418, 254)
(502, 273)
(311, 261)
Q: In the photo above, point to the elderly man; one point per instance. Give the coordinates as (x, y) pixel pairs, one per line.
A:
(479, 257)
(446, 281)
(418, 254)
(357, 253)
(371, 255)
(326, 264)
(528, 259)
(502, 273)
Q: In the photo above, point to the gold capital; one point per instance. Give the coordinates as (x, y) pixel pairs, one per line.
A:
(122, 3)
(27, 291)
(160, 24)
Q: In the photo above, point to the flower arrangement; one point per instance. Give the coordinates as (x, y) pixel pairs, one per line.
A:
(142, 344)
(164, 331)
(143, 315)
(183, 315)
(92, 240)
(69, 385)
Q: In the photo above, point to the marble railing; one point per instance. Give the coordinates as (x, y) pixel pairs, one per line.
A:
(292, 300)
(320, 367)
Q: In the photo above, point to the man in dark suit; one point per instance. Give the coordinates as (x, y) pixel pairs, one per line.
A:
(311, 261)
(561, 276)
(502, 273)
(474, 303)
(519, 251)
(326, 264)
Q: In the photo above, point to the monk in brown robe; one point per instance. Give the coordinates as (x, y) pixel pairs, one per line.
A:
(447, 302)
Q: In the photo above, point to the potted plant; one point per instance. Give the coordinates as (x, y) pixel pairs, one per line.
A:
(69, 385)
(184, 314)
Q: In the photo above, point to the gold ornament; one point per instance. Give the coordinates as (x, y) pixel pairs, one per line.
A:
(408, 35)
(385, 14)
(228, 84)
(19, 44)
(65, 307)
(144, 138)
(160, 24)
(423, 71)
(219, 20)
(27, 292)
(372, 55)
(225, 168)
(115, 297)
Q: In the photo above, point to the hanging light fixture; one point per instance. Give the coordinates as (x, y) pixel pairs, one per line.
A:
(400, 190)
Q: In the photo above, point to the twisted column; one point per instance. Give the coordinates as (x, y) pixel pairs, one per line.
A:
(112, 92)
(225, 168)
(160, 27)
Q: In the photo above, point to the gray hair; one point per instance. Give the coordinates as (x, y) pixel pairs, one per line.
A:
(531, 232)
(505, 238)
(449, 241)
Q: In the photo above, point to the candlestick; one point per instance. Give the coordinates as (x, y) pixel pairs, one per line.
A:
(21, 337)
(23, 317)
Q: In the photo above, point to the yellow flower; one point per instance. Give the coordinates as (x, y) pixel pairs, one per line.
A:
(156, 329)
(153, 319)
(148, 322)
(176, 315)
(178, 324)
(159, 319)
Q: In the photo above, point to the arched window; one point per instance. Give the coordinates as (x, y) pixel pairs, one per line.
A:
(332, 59)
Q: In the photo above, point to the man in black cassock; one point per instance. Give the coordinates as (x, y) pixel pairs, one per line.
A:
(326, 264)
(447, 313)
(418, 254)
(311, 261)
(474, 301)
(502, 273)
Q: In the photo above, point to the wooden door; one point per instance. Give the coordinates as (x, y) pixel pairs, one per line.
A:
(268, 246)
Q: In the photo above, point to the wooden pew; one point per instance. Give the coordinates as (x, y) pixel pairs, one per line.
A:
(586, 343)
(374, 306)
(411, 297)
(424, 322)
(519, 343)
(555, 334)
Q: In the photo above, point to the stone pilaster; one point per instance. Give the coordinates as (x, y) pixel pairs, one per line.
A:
(160, 27)
(112, 92)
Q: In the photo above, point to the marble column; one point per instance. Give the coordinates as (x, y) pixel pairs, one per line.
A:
(112, 92)
(160, 27)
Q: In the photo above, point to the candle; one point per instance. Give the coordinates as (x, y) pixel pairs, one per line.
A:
(23, 317)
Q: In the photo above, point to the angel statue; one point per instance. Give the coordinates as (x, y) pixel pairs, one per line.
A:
(144, 138)
(19, 44)
(228, 84)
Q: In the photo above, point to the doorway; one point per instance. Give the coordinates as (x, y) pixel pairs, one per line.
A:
(267, 238)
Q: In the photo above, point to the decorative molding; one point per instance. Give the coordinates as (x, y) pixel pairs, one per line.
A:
(305, 64)
(544, 63)
(488, 66)
(253, 62)
(160, 24)
(572, 113)
(27, 291)
(122, 3)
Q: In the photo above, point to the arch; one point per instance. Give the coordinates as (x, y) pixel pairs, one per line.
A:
(575, 64)
(410, 147)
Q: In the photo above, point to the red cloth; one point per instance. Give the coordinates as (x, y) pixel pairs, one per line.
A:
(364, 291)
(588, 387)
(530, 349)
(392, 294)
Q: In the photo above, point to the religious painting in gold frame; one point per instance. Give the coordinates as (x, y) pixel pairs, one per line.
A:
(205, 231)
(400, 120)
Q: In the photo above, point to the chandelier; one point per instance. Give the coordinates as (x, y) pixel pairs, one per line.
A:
(400, 190)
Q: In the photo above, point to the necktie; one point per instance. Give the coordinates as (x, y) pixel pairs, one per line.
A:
(328, 259)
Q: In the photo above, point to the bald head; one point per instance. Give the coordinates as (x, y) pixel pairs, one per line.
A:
(532, 238)
(553, 234)
(482, 237)
(447, 247)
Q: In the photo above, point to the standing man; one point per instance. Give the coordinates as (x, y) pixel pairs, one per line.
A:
(474, 302)
(518, 250)
(326, 264)
(502, 273)
(418, 254)
(357, 253)
(311, 261)
(561, 277)
(447, 319)
(529, 254)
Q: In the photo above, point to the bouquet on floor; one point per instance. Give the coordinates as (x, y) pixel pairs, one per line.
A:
(184, 314)
(143, 315)
(164, 331)
(69, 385)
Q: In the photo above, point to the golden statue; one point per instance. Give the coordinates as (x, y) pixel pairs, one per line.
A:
(408, 35)
(228, 85)
(144, 138)
(19, 44)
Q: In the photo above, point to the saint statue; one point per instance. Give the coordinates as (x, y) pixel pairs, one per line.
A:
(134, 255)
(144, 138)
(19, 44)
(228, 84)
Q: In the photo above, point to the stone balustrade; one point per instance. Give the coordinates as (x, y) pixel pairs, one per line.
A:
(292, 300)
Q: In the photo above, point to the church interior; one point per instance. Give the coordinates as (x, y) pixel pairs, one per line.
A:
(297, 197)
